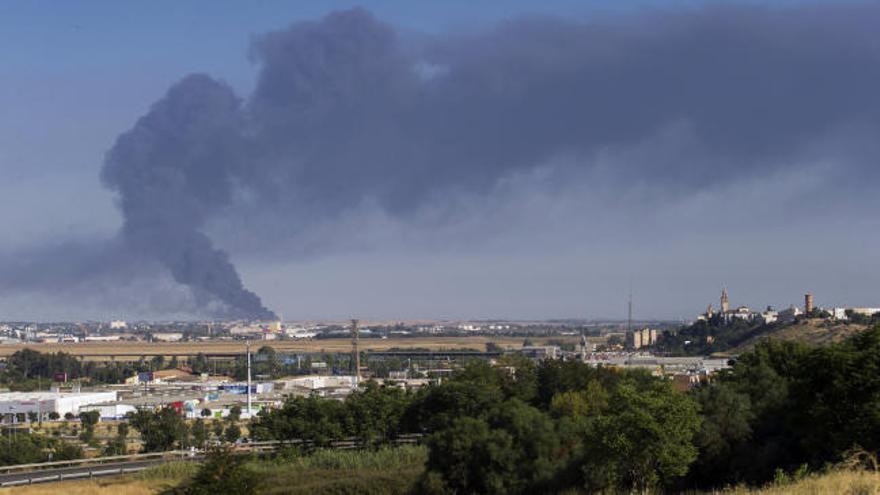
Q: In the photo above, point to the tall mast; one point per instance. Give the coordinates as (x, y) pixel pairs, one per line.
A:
(248, 346)
(629, 317)
(355, 352)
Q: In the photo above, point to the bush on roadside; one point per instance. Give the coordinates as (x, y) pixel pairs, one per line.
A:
(223, 472)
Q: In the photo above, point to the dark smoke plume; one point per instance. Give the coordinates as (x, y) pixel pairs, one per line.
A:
(172, 171)
(347, 112)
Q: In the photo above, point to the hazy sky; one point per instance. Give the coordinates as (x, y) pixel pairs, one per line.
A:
(452, 159)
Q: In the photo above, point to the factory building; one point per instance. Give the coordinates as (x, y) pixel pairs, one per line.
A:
(242, 388)
(110, 412)
(44, 403)
(539, 352)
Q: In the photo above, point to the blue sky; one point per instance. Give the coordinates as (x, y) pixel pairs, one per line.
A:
(77, 74)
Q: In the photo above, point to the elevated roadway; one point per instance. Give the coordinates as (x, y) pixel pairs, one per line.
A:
(228, 349)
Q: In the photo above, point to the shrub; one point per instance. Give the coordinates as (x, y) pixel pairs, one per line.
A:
(223, 472)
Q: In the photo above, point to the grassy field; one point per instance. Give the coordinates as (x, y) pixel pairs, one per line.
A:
(838, 482)
(389, 472)
(385, 472)
(315, 345)
(147, 482)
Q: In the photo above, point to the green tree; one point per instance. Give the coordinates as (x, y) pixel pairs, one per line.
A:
(217, 429)
(643, 440)
(89, 420)
(723, 435)
(199, 433)
(232, 433)
(160, 430)
(578, 404)
(65, 451)
(436, 407)
(374, 413)
(535, 445)
(471, 457)
(307, 418)
(555, 376)
(118, 444)
(515, 449)
(224, 472)
(517, 377)
(27, 448)
(802, 405)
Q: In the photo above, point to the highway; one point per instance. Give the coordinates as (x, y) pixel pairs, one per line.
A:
(47, 472)
(80, 472)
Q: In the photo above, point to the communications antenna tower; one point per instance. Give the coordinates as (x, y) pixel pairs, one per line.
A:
(355, 352)
(248, 347)
(629, 317)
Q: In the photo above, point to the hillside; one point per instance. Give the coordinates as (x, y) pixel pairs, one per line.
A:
(705, 338)
(813, 331)
(837, 482)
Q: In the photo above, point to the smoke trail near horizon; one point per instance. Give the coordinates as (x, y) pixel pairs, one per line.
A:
(345, 112)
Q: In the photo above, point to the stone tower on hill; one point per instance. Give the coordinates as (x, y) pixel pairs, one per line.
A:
(725, 301)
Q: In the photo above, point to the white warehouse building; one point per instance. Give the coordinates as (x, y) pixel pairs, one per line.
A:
(48, 402)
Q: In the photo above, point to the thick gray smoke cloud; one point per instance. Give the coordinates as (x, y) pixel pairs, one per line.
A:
(173, 170)
(346, 111)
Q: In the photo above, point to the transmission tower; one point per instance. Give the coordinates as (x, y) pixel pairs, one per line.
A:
(355, 352)
(248, 347)
(629, 317)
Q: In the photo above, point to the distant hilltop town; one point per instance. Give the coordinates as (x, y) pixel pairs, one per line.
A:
(726, 315)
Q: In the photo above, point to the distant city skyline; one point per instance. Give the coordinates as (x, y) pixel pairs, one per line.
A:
(511, 160)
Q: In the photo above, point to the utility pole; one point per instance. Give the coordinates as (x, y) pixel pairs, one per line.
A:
(355, 353)
(248, 346)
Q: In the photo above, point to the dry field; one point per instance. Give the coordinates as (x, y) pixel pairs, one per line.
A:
(109, 486)
(107, 349)
(834, 483)
(815, 331)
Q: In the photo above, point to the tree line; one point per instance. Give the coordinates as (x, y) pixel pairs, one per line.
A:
(515, 428)
(520, 427)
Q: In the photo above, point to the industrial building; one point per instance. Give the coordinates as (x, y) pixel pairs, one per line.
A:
(110, 411)
(540, 351)
(45, 403)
